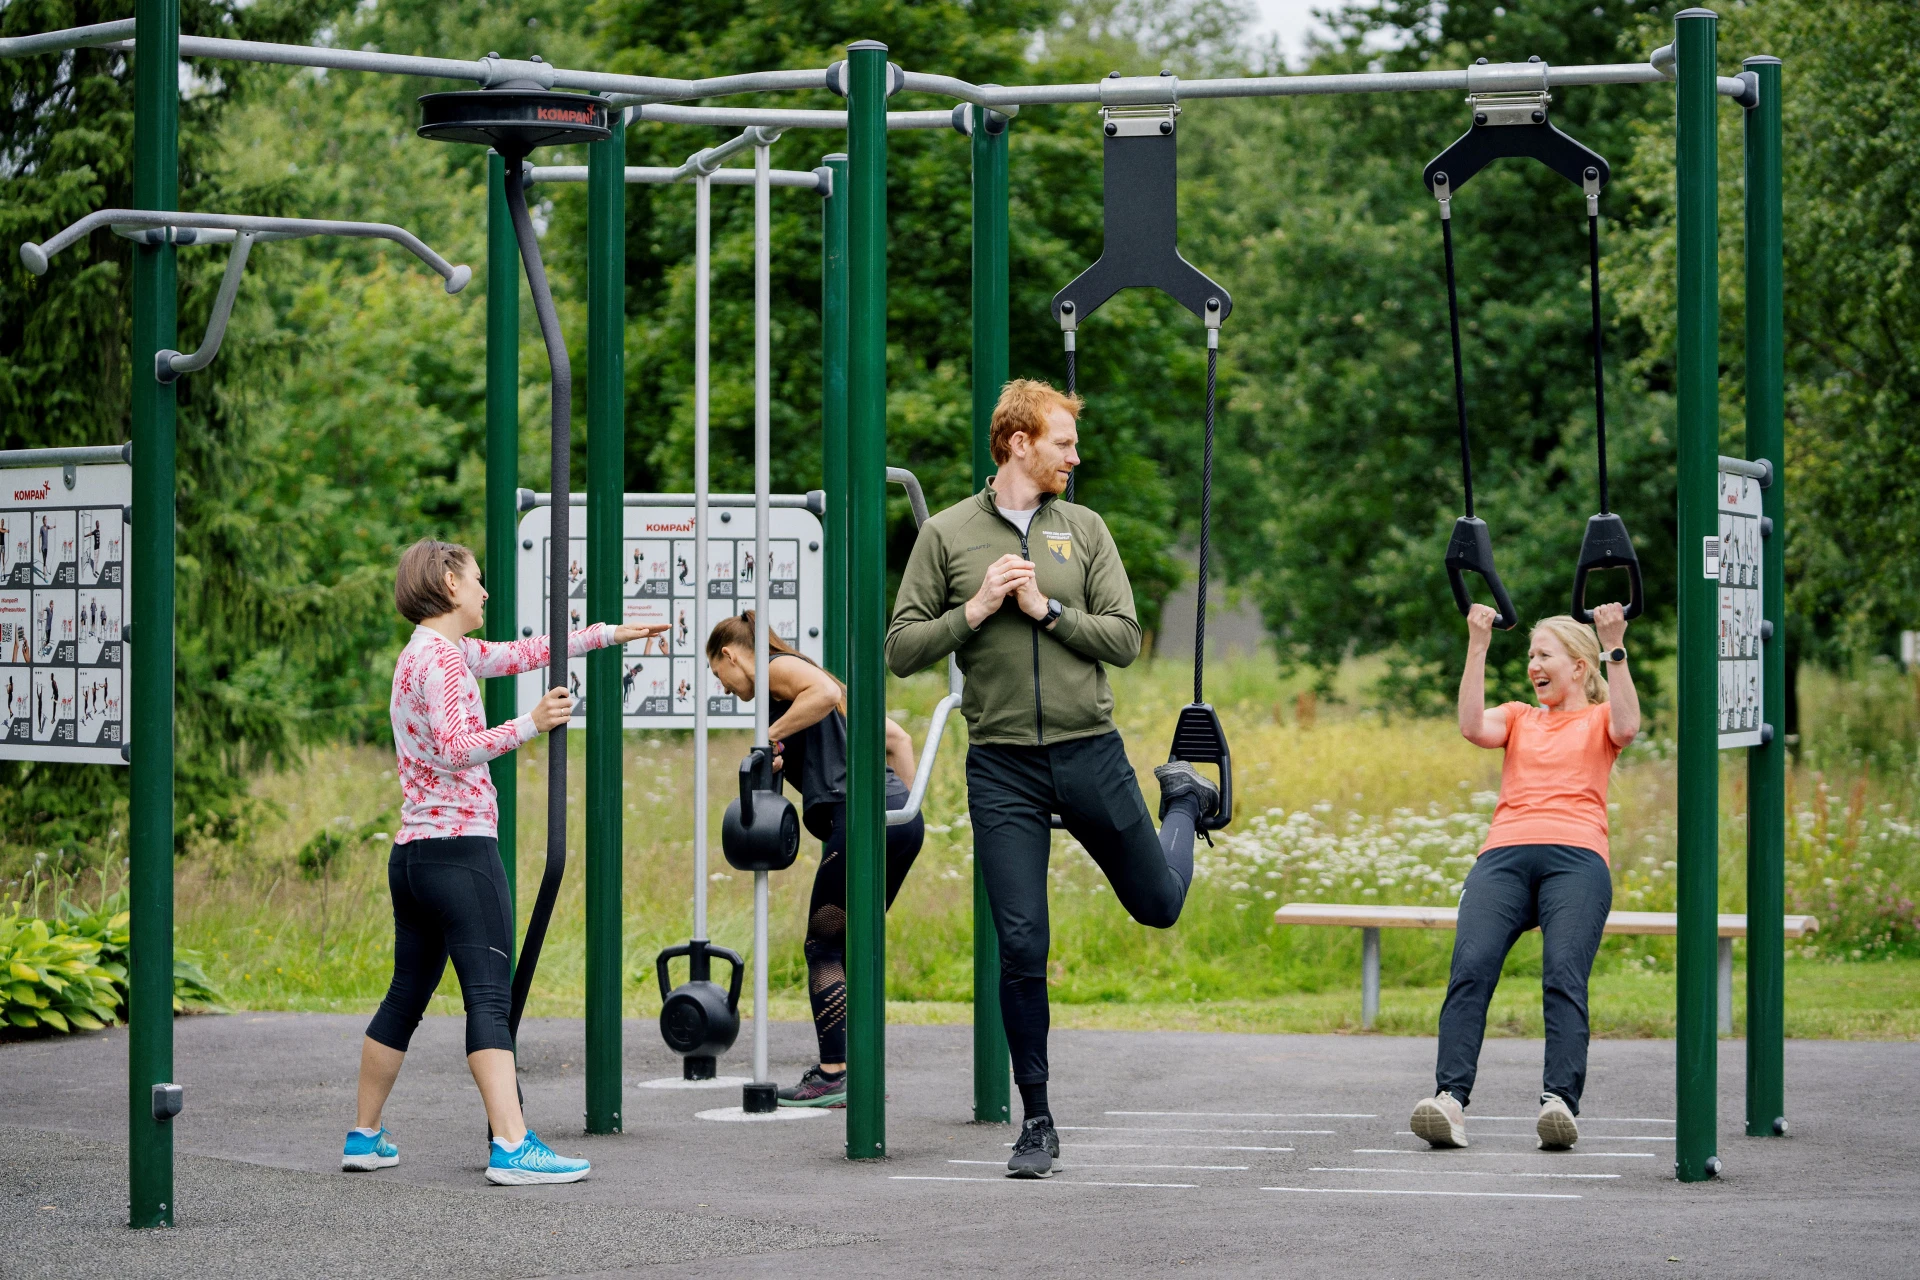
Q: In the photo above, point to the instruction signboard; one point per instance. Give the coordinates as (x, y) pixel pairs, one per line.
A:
(1739, 552)
(660, 580)
(63, 608)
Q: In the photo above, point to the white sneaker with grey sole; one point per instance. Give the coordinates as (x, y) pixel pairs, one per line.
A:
(1441, 1120)
(1557, 1128)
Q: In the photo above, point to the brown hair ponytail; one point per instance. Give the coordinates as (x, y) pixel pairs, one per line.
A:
(738, 632)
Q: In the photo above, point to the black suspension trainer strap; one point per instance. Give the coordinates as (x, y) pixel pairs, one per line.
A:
(1599, 361)
(1073, 383)
(1459, 369)
(1206, 523)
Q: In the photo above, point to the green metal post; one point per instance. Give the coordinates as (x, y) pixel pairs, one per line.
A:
(833, 408)
(1696, 1016)
(991, 1090)
(866, 598)
(503, 504)
(156, 185)
(606, 487)
(1767, 765)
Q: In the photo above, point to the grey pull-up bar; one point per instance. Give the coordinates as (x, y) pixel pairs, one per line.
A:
(814, 500)
(147, 226)
(943, 711)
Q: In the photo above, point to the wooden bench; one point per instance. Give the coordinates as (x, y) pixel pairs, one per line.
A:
(1371, 920)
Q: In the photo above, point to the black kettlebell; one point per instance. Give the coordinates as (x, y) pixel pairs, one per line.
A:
(761, 831)
(697, 1019)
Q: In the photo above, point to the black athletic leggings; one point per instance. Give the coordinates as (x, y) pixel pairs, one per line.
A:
(449, 899)
(826, 945)
(1012, 792)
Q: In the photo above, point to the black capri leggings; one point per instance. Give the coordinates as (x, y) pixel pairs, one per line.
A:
(449, 899)
(826, 945)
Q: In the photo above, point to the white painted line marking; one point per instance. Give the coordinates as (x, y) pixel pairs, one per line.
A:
(1136, 1128)
(1257, 1115)
(1593, 1119)
(1505, 1155)
(1457, 1173)
(1586, 1137)
(1190, 1168)
(1397, 1191)
(783, 1113)
(1158, 1146)
(1171, 1186)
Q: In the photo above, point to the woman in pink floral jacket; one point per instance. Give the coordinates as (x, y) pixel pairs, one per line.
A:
(449, 888)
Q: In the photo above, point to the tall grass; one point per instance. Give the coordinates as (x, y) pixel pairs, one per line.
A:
(1336, 802)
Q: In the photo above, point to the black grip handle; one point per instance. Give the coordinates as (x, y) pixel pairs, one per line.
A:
(755, 775)
(739, 970)
(660, 966)
(1607, 545)
(1470, 550)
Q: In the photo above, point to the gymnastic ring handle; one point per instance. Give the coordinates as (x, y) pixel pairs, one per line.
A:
(1606, 545)
(1470, 550)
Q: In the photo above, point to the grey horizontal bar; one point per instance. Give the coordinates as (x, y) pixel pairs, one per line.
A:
(1761, 470)
(740, 117)
(71, 38)
(79, 455)
(795, 178)
(814, 500)
(35, 256)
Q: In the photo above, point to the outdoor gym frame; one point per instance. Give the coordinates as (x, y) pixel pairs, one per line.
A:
(854, 452)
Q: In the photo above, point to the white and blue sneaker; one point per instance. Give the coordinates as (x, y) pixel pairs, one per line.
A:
(533, 1161)
(368, 1151)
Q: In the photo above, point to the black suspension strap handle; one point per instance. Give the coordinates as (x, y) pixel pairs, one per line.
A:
(1069, 325)
(1470, 549)
(1606, 543)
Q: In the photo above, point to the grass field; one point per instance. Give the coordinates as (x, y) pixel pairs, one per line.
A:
(1336, 803)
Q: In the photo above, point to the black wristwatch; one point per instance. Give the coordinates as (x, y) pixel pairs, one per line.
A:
(1054, 610)
(1617, 654)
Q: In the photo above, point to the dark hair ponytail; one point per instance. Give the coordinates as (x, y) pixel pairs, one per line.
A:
(738, 632)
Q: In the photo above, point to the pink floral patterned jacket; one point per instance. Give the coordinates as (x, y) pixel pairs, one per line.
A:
(440, 727)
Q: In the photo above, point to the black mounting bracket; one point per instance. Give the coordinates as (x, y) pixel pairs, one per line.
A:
(1538, 139)
(1142, 224)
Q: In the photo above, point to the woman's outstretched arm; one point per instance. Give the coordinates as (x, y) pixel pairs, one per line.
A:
(1479, 725)
(1623, 700)
(900, 751)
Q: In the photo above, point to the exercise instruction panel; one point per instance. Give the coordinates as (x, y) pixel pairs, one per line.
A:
(63, 610)
(661, 581)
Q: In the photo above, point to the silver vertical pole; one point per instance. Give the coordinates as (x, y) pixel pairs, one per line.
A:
(1369, 975)
(762, 512)
(702, 316)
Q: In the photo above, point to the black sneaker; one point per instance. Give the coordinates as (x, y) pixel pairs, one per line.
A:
(1178, 778)
(1035, 1150)
(816, 1089)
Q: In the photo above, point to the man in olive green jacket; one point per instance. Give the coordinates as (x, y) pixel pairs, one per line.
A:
(1029, 593)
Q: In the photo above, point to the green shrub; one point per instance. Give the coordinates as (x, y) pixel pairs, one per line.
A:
(56, 979)
(73, 973)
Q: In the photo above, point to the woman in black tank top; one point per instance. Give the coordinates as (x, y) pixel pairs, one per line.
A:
(808, 729)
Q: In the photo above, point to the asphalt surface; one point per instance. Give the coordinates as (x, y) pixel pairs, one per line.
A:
(1242, 1155)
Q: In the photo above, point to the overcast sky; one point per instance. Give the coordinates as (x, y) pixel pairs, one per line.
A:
(1291, 20)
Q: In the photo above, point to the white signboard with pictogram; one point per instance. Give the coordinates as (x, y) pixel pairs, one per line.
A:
(63, 612)
(1739, 550)
(660, 581)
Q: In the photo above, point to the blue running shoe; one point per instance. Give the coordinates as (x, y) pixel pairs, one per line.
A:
(364, 1153)
(533, 1161)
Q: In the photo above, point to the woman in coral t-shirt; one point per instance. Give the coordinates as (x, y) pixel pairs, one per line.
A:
(1544, 862)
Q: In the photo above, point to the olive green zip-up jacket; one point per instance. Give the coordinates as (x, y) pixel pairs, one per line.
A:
(1026, 685)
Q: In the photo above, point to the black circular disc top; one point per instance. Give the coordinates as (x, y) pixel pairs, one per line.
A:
(513, 121)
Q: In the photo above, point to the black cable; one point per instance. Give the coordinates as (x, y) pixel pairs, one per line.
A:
(1206, 531)
(1459, 371)
(1072, 389)
(1599, 365)
(561, 461)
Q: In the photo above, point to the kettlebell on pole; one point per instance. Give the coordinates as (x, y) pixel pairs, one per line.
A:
(697, 1019)
(761, 831)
